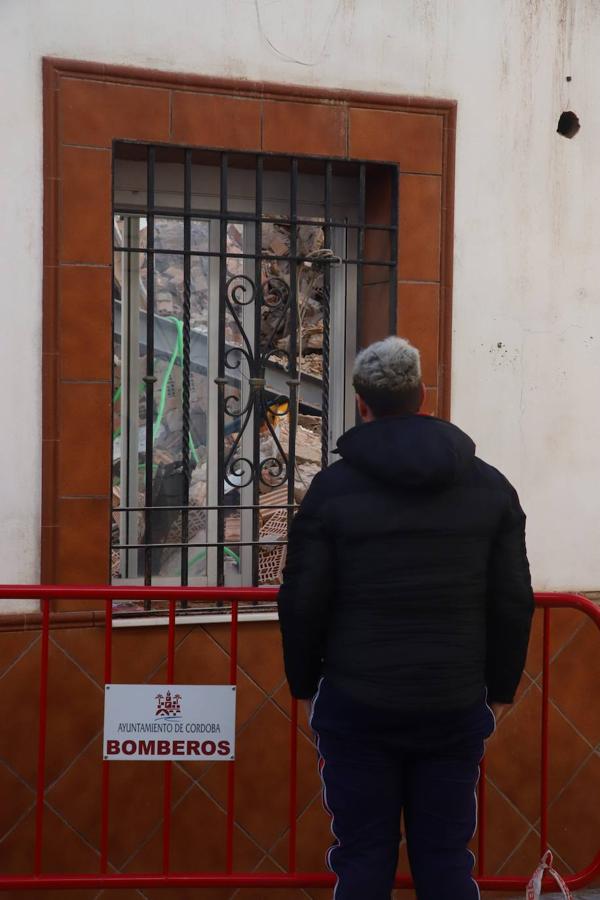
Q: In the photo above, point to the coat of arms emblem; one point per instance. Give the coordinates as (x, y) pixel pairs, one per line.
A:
(168, 706)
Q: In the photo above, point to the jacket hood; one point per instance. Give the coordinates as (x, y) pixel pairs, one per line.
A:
(408, 451)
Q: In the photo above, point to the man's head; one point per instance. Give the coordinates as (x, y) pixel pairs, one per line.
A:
(387, 379)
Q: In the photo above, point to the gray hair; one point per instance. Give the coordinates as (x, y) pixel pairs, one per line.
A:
(391, 366)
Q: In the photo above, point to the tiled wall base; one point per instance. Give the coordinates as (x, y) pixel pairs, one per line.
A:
(73, 770)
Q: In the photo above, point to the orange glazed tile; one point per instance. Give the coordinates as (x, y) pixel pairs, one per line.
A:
(17, 798)
(260, 654)
(85, 221)
(420, 217)
(516, 774)
(16, 851)
(574, 675)
(19, 693)
(50, 327)
(567, 752)
(86, 647)
(314, 839)
(564, 624)
(524, 859)
(85, 339)
(83, 546)
(200, 660)
(50, 449)
(75, 709)
(215, 120)
(138, 653)
(412, 140)
(419, 321)
(84, 463)
(318, 129)
(198, 830)
(135, 801)
(50, 365)
(575, 817)
(505, 830)
(63, 851)
(47, 549)
(283, 699)
(94, 113)
(268, 867)
(533, 662)
(262, 769)
(14, 644)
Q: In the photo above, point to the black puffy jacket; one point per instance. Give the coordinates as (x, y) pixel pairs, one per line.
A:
(407, 582)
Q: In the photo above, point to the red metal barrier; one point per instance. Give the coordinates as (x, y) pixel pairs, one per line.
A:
(293, 879)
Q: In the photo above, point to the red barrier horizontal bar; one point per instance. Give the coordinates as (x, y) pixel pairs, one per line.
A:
(223, 594)
(237, 880)
(229, 879)
(134, 592)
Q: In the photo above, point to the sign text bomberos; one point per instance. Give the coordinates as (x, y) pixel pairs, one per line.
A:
(176, 721)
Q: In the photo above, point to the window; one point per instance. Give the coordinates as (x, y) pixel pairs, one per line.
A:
(238, 281)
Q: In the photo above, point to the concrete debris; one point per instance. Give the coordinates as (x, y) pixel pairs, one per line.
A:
(274, 333)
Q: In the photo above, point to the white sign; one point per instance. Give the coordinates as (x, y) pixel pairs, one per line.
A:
(176, 721)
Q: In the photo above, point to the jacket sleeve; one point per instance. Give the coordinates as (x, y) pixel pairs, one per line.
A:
(304, 597)
(509, 605)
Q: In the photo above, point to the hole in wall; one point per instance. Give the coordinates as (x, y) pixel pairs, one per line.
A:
(568, 124)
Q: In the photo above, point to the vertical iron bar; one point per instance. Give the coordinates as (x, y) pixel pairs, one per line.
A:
(326, 321)
(221, 377)
(150, 377)
(43, 725)
(360, 250)
(128, 385)
(185, 398)
(233, 656)
(260, 369)
(293, 381)
(293, 413)
(394, 238)
(105, 764)
(545, 758)
(130, 380)
(168, 770)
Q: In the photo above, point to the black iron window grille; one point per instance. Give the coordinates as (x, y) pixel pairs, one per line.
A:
(239, 286)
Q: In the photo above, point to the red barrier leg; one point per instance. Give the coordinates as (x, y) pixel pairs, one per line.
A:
(168, 770)
(105, 763)
(545, 754)
(43, 725)
(233, 659)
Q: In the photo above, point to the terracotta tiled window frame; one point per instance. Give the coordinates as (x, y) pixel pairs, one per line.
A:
(87, 106)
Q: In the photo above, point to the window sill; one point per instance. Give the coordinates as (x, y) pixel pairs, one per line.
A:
(192, 618)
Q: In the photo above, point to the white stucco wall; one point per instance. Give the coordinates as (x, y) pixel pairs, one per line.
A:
(526, 355)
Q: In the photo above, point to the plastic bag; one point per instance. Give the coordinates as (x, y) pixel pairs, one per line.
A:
(534, 888)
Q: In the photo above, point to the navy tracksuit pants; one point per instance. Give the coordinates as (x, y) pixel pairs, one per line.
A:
(376, 765)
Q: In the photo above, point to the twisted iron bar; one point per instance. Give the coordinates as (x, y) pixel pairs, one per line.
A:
(236, 288)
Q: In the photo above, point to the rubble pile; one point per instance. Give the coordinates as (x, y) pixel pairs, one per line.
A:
(168, 424)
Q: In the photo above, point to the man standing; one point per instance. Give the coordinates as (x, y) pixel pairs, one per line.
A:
(405, 609)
